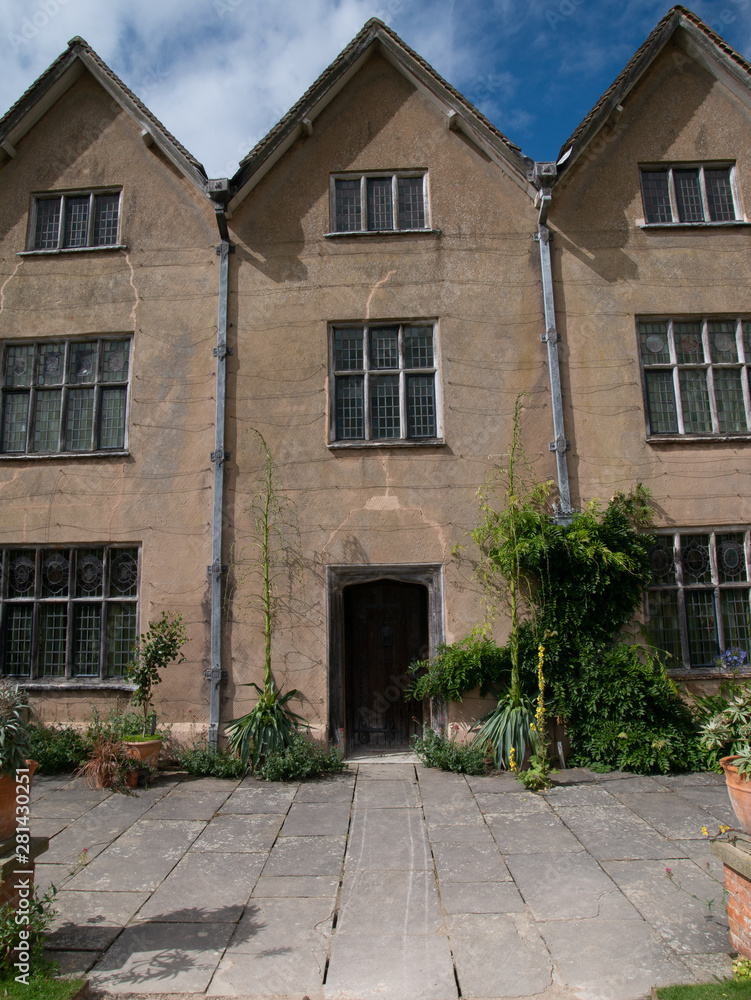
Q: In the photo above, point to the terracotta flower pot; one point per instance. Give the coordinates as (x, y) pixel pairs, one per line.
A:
(8, 800)
(739, 790)
(145, 751)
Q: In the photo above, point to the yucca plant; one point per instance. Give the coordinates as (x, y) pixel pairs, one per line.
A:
(14, 727)
(268, 726)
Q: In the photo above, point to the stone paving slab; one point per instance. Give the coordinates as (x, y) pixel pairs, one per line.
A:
(687, 924)
(481, 897)
(405, 902)
(671, 815)
(532, 833)
(580, 795)
(601, 959)
(260, 798)
(156, 958)
(205, 887)
(615, 834)
(461, 862)
(240, 834)
(567, 886)
(389, 839)
(476, 832)
(140, 858)
(499, 955)
(386, 772)
(68, 802)
(90, 921)
(317, 819)
(189, 804)
(306, 886)
(390, 967)
(387, 793)
(279, 947)
(336, 788)
(306, 856)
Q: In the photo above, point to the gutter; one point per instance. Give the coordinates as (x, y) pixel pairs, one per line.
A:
(544, 173)
(219, 191)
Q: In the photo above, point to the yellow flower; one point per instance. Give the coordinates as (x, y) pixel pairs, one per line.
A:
(512, 760)
(704, 831)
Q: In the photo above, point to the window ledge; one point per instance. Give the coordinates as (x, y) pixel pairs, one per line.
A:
(706, 674)
(730, 224)
(93, 684)
(383, 232)
(62, 250)
(695, 438)
(387, 443)
(56, 456)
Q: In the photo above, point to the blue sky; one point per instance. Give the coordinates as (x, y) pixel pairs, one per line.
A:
(220, 73)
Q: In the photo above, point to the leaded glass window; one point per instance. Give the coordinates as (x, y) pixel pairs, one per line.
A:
(385, 385)
(696, 375)
(680, 195)
(63, 396)
(698, 600)
(386, 202)
(68, 613)
(75, 221)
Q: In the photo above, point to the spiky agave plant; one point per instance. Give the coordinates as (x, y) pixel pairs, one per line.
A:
(14, 727)
(268, 726)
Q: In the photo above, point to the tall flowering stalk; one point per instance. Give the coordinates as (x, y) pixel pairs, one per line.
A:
(539, 726)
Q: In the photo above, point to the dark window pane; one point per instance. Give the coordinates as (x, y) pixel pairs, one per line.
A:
(83, 358)
(19, 365)
(384, 347)
(722, 345)
(695, 559)
(15, 421)
(662, 557)
(123, 572)
(421, 406)
(55, 573)
(86, 640)
(384, 407)
(418, 346)
(21, 573)
(349, 408)
(18, 639)
(736, 623)
(51, 364)
(106, 209)
(53, 632)
(661, 402)
(380, 209)
(47, 230)
(348, 349)
(689, 349)
(731, 412)
(80, 422)
(702, 627)
(656, 196)
(688, 195)
(653, 340)
(411, 206)
(731, 558)
(719, 194)
(121, 634)
(348, 208)
(664, 623)
(697, 418)
(112, 419)
(115, 360)
(47, 420)
(76, 221)
(89, 572)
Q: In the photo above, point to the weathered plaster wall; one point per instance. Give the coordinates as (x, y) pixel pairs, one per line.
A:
(163, 291)
(479, 278)
(609, 271)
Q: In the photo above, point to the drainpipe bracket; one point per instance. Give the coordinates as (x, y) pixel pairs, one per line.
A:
(215, 674)
(559, 445)
(216, 570)
(222, 352)
(545, 337)
(230, 249)
(224, 457)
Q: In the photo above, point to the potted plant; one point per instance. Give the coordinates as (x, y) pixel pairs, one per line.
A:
(14, 747)
(727, 736)
(154, 650)
(109, 765)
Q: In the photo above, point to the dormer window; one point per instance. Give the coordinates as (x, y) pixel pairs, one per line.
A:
(380, 202)
(75, 221)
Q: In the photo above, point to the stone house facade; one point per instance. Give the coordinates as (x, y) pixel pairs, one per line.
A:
(367, 297)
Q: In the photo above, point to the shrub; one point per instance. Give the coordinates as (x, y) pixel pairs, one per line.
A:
(473, 662)
(299, 760)
(624, 712)
(40, 914)
(202, 761)
(449, 754)
(57, 748)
